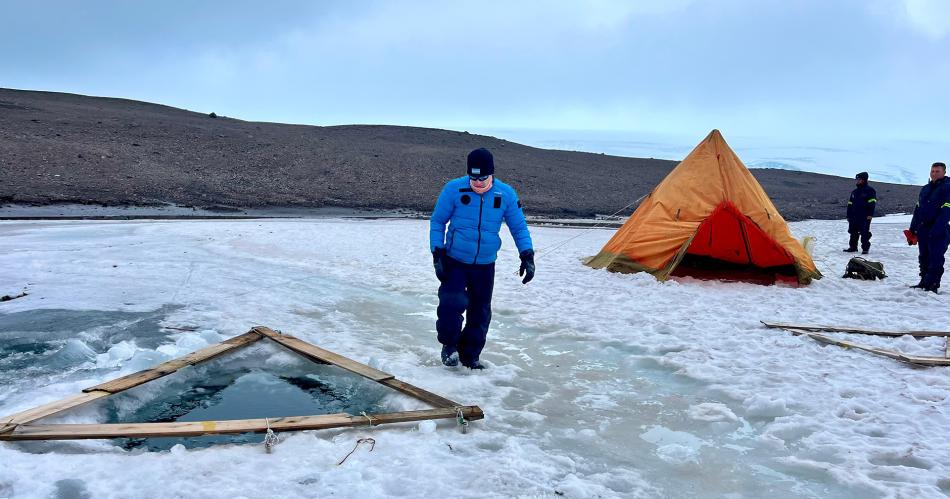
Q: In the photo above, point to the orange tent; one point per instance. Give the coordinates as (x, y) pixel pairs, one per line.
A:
(708, 218)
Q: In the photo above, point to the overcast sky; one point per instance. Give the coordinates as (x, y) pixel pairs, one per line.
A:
(821, 69)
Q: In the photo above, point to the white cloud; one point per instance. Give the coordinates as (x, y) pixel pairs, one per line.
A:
(599, 15)
(860, 67)
(930, 17)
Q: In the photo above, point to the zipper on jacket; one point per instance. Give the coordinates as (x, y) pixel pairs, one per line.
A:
(478, 246)
(451, 241)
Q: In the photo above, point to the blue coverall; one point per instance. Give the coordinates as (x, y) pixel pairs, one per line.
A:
(861, 206)
(931, 225)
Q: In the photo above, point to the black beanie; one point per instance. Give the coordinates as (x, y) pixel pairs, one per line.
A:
(480, 162)
(862, 176)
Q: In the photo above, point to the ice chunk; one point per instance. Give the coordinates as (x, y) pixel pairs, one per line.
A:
(765, 407)
(678, 454)
(116, 355)
(712, 412)
(190, 342)
(660, 435)
(73, 352)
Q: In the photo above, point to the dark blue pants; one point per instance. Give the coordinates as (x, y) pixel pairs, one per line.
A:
(862, 229)
(466, 288)
(932, 243)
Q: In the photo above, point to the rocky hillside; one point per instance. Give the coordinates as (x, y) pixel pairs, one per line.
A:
(64, 148)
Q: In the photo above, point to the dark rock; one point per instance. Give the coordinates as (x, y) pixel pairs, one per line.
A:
(220, 209)
(8, 297)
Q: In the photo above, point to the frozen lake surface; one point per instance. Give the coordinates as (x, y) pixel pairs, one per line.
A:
(599, 385)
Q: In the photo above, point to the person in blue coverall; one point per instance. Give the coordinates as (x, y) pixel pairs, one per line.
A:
(931, 226)
(860, 212)
(473, 207)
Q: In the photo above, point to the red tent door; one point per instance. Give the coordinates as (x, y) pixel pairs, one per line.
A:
(728, 245)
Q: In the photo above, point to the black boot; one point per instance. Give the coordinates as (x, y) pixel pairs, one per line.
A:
(850, 250)
(475, 365)
(450, 357)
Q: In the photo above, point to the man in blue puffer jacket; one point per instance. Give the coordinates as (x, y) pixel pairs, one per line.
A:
(474, 208)
(931, 226)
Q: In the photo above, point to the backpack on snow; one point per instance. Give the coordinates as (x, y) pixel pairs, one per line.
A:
(866, 270)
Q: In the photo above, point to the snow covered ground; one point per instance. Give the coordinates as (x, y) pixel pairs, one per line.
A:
(600, 385)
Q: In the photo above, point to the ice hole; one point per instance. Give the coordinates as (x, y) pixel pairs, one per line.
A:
(243, 385)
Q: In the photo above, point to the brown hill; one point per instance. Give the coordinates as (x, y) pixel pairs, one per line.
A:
(65, 148)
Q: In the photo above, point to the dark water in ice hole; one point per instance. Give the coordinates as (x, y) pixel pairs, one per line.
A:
(38, 347)
(247, 394)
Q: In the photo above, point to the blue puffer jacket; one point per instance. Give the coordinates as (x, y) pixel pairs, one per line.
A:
(475, 220)
(933, 206)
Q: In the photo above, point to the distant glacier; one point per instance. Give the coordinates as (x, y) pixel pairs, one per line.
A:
(896, 161)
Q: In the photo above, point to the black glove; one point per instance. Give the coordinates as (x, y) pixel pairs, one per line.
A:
(438, 261)
(527, 266)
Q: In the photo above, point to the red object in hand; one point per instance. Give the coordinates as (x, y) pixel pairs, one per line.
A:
(911, 238)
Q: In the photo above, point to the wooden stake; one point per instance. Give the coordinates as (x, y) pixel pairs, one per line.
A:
(855, 330)
(191, 429)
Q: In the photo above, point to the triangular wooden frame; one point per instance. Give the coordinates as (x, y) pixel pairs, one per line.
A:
(19, 426)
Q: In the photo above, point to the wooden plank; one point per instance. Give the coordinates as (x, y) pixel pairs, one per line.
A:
(892, 354)
(855, 330)
(49, 409)
(316, 353)
(926, 361)
(847, 344)
(132, 380)
(189, 429)
(418, 393)
(169, 367)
